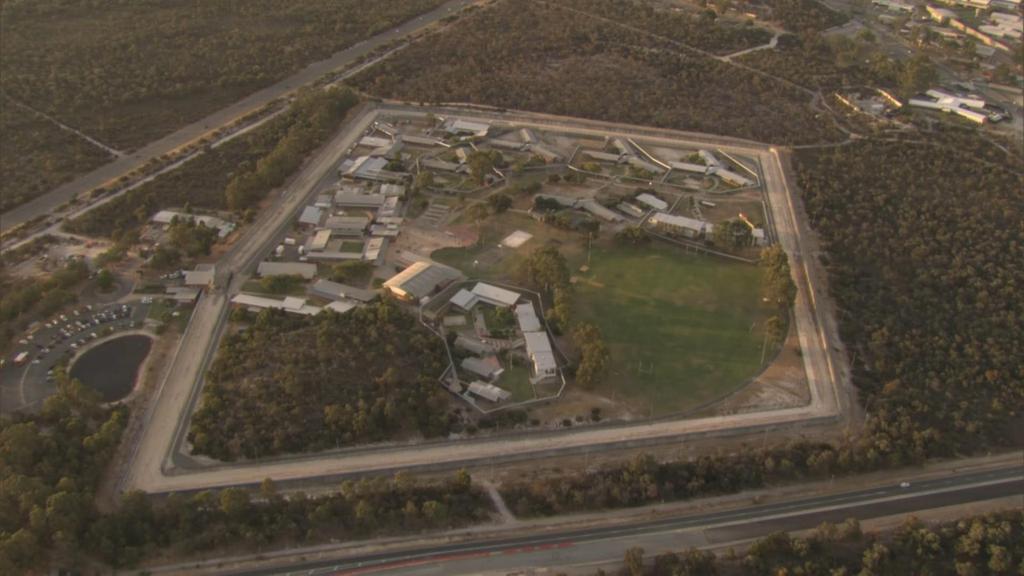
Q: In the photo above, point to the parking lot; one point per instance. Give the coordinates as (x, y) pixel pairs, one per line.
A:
(26, 378)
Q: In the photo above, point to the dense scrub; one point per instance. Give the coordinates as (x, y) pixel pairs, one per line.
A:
(37, 156)
(933, 311)
(804, 15)
(235, 175)
(49, 466)
(990, 544)
(530, 56)
(23, 298)
(931, 316)
(129, 72)
(233, 517)
(293, 383)
(696, 31)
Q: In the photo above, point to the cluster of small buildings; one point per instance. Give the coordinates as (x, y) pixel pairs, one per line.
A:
(532, 337)
(969, 106)
(999, 28)
(526, 140)
(628, 152)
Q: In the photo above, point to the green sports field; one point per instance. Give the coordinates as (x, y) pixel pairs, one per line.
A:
(683, 329)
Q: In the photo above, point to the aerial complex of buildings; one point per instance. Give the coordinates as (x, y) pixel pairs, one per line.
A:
(389, 214)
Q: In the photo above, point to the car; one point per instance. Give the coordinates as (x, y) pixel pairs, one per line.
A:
(74, 345)
(93, 335)
(23, 342)
(904, 484)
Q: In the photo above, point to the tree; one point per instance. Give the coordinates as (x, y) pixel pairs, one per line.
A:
(482, 162)
(632, 235)
(918, 75)
(499, 202)
(105, 280)
(594, 353)
(634, 561)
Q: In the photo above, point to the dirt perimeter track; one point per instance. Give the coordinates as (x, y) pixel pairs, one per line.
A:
(159, 464)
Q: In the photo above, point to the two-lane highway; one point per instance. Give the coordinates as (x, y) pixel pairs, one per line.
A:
(48, 203)
(546, 548)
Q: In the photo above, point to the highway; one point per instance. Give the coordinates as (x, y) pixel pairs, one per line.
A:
(48, 203)
(580, 546)
(160, 464)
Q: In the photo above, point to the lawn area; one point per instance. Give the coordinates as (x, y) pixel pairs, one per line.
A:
(351, 246)
(682, 329)
(516, 379)
(497, 263)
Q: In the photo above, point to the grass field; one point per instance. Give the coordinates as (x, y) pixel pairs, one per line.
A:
(516, 379)
(682, 329)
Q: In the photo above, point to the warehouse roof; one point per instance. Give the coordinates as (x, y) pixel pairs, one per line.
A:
(420, 279)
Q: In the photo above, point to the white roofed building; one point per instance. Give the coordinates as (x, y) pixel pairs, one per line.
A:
(458, 126)
(541, 355)
(488, 392)
(526, 316)
(652, 201)
(689, 227)
(288, 304)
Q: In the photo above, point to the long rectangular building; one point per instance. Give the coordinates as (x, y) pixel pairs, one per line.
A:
(304, 269)
(421, 279)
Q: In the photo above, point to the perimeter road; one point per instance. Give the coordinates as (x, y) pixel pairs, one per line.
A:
(156, 467)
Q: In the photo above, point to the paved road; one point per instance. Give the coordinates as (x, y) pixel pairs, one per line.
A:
(561, 548)
(47, 203)
(158, 467)
(168, 415)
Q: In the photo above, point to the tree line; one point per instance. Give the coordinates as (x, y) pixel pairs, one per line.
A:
(51, 463)
(24, 298)
(235, 175)
(547, 272)
(287, 383)
(531, 56)
(971, 546)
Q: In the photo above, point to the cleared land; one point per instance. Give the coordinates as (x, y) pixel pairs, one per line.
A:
(682, 329)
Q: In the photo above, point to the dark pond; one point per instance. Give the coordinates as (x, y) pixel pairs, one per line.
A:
(111, 367)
